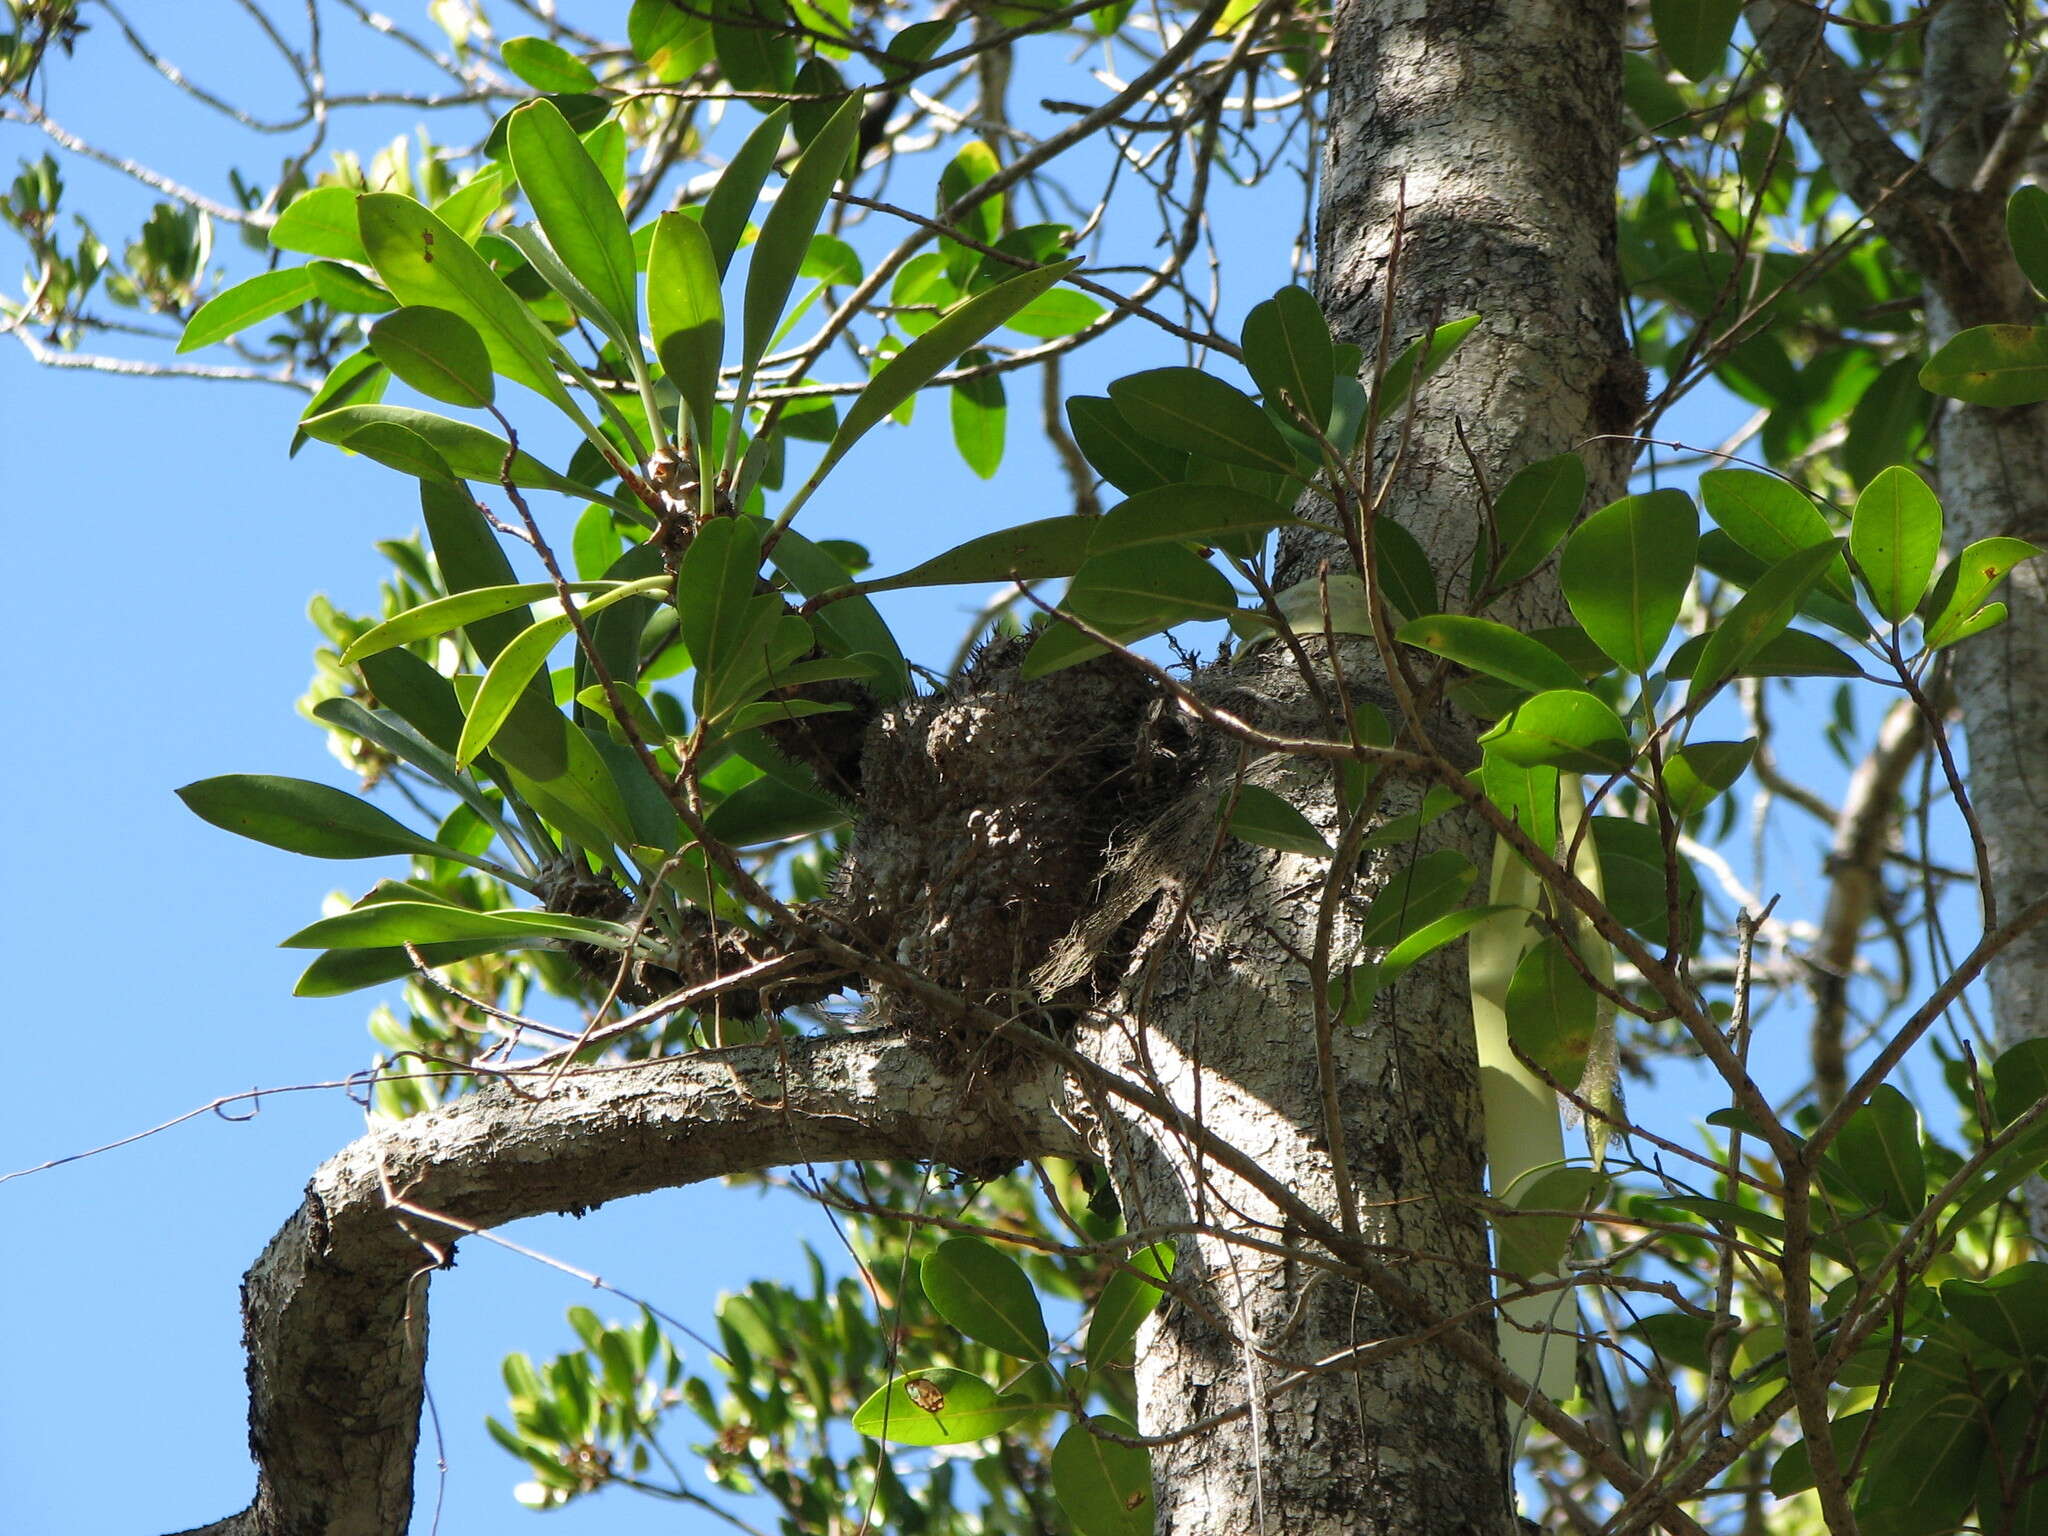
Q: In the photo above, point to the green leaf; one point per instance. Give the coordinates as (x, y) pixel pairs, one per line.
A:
(423, 261)
(1125, 457)
(1127, 595)
(1925, 1456)
(504, 684)
(302, 817)
(346, 290)
(471, 452)
(437, 352)
(341, 971)
(1433, 936)
(1416, 896)
(1407, 581)
(1721, 556)
(2009, 1311)
(1895, 537)
(755, 49)
(578, 211)
(983, 1292)
(321, 222)
(940, 1406)
(1992, 365)
(1533, 512)
(546, 66)
(1528, 1244)
(1262, 817)
(1055, 313)
(1552, 1012)
(1625, 573)
(1970, 578)
(687, 314)
(455, 611)
(1104, 1488)
(1694, 33)
(1125, 1302)
(786, 232)
(1053, 546)
(1878, 1151)
(1491, 648)
(731, 202)
(912, 368)
(1792, 653)
(1191, 410)
(1637, 882)
(1417, 361)
(1564, 728)
(1889, 423)
(1762, 614)
(384, 924)
(1289, 354)
(1189, 514)
(236, 308)
(1771, 519)
(1792, 1472)
(1703, 771)
(853, 622)
(402, 449)
(2026, 226)
(771, 811)
(979, 412)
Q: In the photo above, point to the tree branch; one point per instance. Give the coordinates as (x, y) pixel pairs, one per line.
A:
(334, 1312)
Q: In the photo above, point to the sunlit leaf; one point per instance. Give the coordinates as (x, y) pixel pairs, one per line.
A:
(1491, 648)
(1895, 537)
(939, 1406)
(1533, 512)
(577, 210)
(984, 1293)
(546, 66)
(1992, 365)
(1125, 1302)
(321, 222)
(234, 309)
(437, 352)
(1762, 614)
(1104, 1488)
(1625, 573)
(1262, 817)
(687, 314)
(1288, 352)
(1563, 728)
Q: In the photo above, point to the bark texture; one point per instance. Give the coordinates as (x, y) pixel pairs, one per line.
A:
(335, 1311)
(1489, 133)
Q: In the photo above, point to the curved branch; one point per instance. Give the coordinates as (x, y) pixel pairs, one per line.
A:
(334, 1312)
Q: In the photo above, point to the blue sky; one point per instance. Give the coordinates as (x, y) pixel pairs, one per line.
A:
(164, 548)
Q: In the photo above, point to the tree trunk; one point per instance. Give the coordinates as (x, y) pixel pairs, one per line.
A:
(1489, 133)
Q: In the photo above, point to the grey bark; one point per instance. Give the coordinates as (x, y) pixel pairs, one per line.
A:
(335, 1311)
(1945, 213)
(1490, 131)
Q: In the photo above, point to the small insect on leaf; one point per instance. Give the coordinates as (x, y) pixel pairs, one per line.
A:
(924, 1394)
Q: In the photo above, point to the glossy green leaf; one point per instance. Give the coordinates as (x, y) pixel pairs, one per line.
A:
(1694, 33)
(786, 231)
(731, 203)
(471, 452)
(513, 668)
(423, 261)
(1187, 409)
(1122, 455)
(546, 66)
(984, 1293)
(687, 314)
(301, 816)
(1416, 896)
(1702, 772)
(1127, 595)
(1417, 361)
(1625, 572)
(1262, 817)
(1721, 556)
(1895, 537)
(1126, 1301)
(1792, 653)
(668, 40)
(2026, 226)
(437, 352)
(1289, 354)
(755, 49)
(321, 222)
(1433, 936)
(1533, 512)
(1762, 615)
(1186, 514)
(1552, 1012)
(1104, 1488)
(1564, 728)
(1771, 519)
(341, 971)
(1491, 648)
(455, 611)
(1055, 313)
(2008, 1311)
(258, 298)
(771, 811)
(939, 1406)
(1992, 365)
(1878, 1151)
(346, 291)
(965, 324)
(978, 416)
(383, 924)
(1969, 579)
(1053, 546)
(578, 211)
(402, 449)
